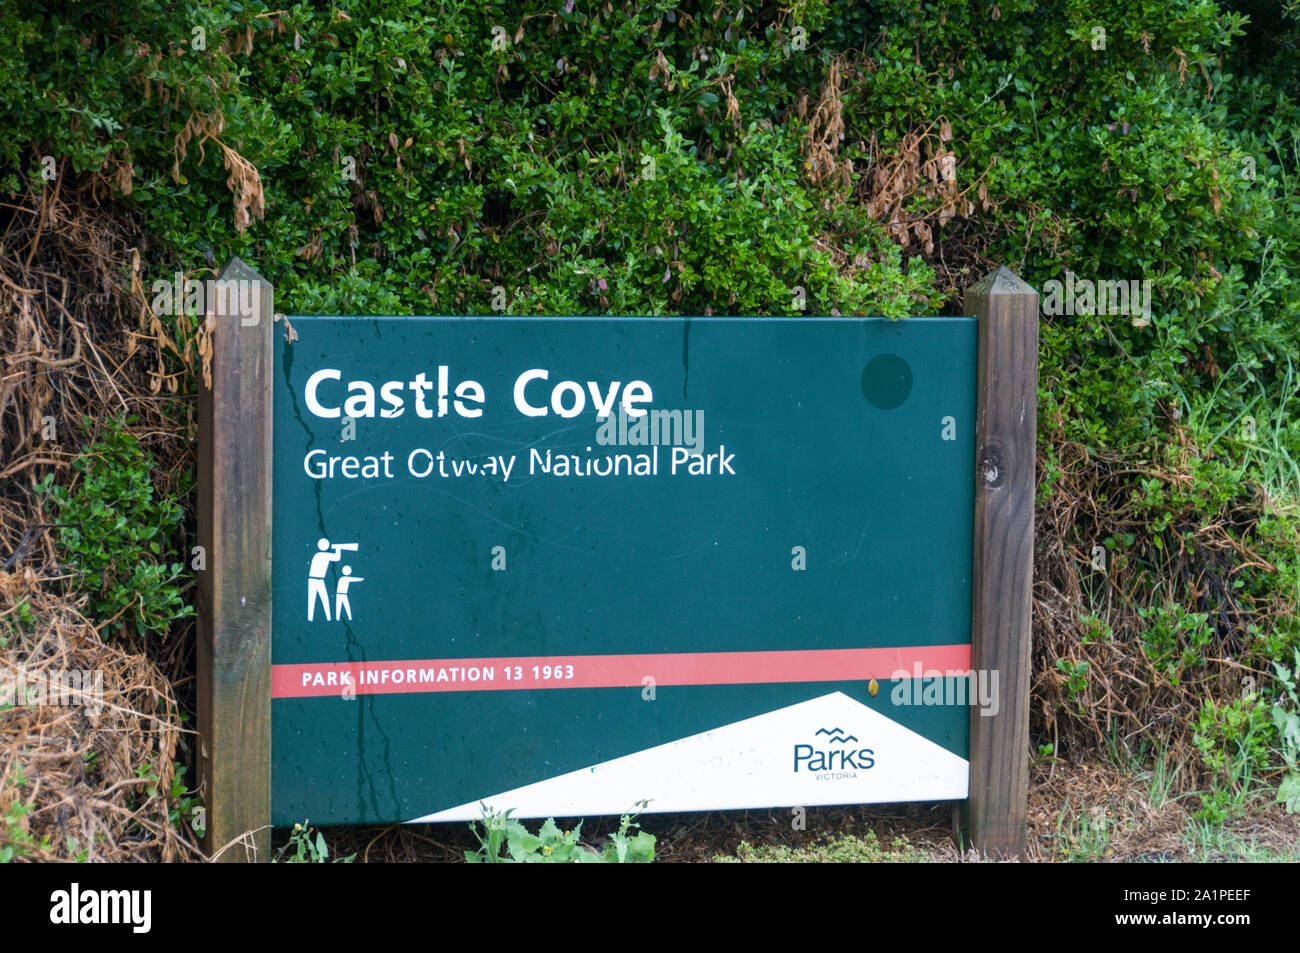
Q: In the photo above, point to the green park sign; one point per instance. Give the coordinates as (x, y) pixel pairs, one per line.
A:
(592, 565)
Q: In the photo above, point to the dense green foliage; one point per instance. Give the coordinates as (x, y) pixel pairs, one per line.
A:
(732, 157)
(117, 535)
(596, 161)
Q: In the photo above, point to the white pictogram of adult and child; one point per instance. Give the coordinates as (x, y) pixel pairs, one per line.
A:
(320, 563)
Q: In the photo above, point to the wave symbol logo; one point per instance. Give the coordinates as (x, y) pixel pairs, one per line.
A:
(836, 735)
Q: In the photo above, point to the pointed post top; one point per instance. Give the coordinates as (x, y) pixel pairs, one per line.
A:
(1001, 281)
(239, 269)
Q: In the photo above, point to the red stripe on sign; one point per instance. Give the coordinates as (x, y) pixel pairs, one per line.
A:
(617, 671)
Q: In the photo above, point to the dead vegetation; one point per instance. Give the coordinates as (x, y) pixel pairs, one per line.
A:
(89, 777)
(914, 188)
(78, 345)
(1108, 671)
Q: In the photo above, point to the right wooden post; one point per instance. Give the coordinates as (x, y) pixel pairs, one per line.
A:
(1001, 607)
(234, 592)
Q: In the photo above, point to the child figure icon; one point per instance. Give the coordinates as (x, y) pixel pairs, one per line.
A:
(341, 594)
(320, 561)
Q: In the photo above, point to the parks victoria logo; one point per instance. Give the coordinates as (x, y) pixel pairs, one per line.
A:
(834, 755)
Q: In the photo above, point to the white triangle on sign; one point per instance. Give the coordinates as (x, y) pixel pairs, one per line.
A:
(814, 752)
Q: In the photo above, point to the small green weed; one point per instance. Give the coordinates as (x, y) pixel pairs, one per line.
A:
(550, 845)
(1176, 639)
(16, 840)
(1083, 834)
(304, 848)
(1286, 719)
(1076, 678)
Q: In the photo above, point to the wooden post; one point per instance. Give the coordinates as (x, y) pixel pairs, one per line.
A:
(234, 593)
(1005, 436)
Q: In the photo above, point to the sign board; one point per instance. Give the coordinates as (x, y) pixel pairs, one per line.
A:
(579, 566)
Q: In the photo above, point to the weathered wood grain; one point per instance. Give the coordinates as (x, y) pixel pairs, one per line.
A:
(1006, 427)
(234, 591)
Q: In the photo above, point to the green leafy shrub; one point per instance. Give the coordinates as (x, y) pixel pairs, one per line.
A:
(1233, 740)
(118, 534)
(1235, 730)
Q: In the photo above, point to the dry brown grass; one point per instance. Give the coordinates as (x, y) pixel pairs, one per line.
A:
(77, 338)
(78, 343)
(88, 777)
(1130, 697)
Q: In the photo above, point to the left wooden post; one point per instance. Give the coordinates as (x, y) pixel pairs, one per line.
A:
(234, 588)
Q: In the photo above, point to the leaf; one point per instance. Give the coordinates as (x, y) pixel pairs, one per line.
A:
(641, 848)
(1288, 729)
(1288, 792)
